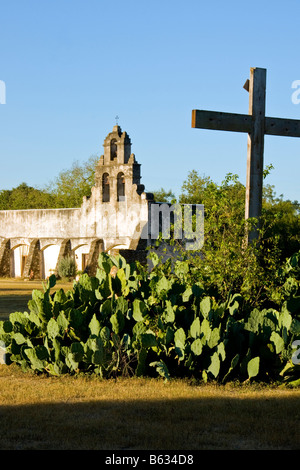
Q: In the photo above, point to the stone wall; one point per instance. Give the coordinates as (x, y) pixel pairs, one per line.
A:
(101, 223)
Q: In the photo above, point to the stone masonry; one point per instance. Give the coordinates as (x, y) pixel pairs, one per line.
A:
(112, 219)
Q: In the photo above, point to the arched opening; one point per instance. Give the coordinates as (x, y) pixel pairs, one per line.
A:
(81, 256)
(20, 254)
(113, 149)
(121, 187)
(49, 260)
(114, 249)
(105, 188)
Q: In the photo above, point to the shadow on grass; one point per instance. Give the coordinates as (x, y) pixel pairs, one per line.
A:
(15, 294)
(180, 424)
(10, 304)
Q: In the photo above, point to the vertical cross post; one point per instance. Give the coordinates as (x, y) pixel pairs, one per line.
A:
(256, 125)
(255, 148)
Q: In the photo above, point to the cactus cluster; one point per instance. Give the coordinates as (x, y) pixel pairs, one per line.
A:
(126, 320)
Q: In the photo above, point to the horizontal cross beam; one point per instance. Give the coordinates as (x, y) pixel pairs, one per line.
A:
(282, 127)
(215, 120)
(219, 121)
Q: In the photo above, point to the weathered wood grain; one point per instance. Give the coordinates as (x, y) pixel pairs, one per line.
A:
(282, 127)
(221, 121)
(257, 125)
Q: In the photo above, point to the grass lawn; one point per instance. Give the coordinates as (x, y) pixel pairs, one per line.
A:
(47, 413)
(80, 413)
(15, 294)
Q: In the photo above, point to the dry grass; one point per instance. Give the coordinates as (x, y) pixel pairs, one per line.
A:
(38, 412)
(15, 294)
(44, 413)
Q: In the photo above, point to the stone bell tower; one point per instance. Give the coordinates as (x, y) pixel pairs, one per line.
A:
(118, 174)
(118, 208)
(113, 219)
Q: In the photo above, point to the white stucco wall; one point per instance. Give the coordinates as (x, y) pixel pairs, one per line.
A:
(91, 220)
(116, 223)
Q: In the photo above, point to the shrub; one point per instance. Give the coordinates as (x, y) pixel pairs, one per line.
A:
(66, 267)
(127, 320)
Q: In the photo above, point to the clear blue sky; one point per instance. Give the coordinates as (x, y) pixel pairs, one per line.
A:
(71, 66)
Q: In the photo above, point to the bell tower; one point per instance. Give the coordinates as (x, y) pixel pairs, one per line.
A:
(118, 174)
(117, 147)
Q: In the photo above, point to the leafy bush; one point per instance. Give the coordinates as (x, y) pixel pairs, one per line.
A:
(67, 267)
(126, 320)
(231, 313)
(227, 264)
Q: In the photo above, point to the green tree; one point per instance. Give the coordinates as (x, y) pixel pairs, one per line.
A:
(25, 197)
(73, 184)
(67, 190)
(281, 223)
(227, 264)
(163, 195)
(4, 199)
(194, 188)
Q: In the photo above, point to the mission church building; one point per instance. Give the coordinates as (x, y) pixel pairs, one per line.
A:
(112, 219)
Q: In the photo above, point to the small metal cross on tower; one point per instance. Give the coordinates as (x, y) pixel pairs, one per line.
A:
(117, 120)
(256, 125)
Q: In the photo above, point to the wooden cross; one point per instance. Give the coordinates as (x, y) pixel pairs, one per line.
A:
(256, 125)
